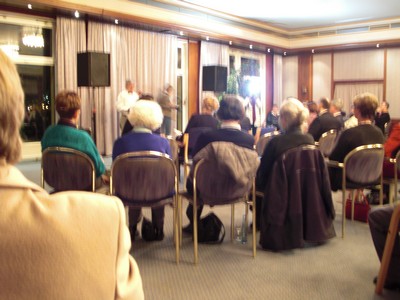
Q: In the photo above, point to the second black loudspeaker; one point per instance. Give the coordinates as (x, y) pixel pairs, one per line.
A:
(93, 69)
(215, 78)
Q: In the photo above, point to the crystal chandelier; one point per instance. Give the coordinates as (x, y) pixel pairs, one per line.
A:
(33, 39)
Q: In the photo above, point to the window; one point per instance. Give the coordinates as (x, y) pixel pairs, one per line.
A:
(29, 43)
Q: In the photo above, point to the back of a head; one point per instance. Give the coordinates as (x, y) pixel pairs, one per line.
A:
(210, 104)
(11, 110)
(324, 102)
(67, 103)
(230, 108)
(366, 104)
(146, 114)
(337, 104)
(293, 114)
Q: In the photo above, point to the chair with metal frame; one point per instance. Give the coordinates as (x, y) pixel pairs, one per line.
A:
(327, 142)
(146, 179)
(189, 141)
(67, 169)
(216, 186)
(393, 182)
(263, 141)
(361, 168)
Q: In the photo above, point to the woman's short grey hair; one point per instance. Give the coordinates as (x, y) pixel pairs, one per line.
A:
(11, 110)
(147, 114)
(293, 114)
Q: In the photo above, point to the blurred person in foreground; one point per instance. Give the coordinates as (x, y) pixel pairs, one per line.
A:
(69, 245)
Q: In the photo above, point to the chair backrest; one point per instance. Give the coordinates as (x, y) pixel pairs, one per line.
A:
(224, 172)
(143, 178)
(363, 165)
(263, 141)
(67, 169)
(327, 142)
(193, 135)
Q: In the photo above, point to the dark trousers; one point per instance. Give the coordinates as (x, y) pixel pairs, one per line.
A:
(157, 216)
(379, 220)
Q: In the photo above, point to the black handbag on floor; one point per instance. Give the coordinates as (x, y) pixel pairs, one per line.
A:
(211, 230)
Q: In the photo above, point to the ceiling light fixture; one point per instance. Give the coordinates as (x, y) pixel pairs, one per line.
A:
(181, 33)
(29, 6)
(76, 14)
(251, 46)
(116, 21)
(207, 38)
(268, 50)
(284, 53)
(377, 45)
(312, 51)
(230, 42)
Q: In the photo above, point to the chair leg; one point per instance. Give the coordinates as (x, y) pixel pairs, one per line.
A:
(176, 228)
(232, 222)
(195, 237)
(353, 198)
(343, 211)
(254, 225)
(387, 252)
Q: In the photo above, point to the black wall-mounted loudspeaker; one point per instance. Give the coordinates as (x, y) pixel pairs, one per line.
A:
(215, 78)
(93, 69)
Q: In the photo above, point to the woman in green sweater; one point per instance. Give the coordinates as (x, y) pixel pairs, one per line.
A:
(66, 133)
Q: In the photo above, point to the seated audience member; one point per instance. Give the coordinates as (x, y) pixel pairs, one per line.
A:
(391, 146)
(230, 113)
(273, 117)
(293, 115)
(313, 112)
(363, 134)
(336, 110)
(145, 117)
(66, 133)
(245, 125)
(201, 122)
(351, 121)
(128, 126)
(206, 119)
(69, 245)
(324, 122)
(382, 116)
(379, 221)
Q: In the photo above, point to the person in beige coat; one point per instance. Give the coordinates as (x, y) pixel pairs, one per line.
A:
(69, 245)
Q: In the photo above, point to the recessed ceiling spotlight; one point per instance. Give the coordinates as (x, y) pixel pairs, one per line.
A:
(284, 53)
(207, 38)
(76, 14)
(230, 42)
(29, 6)
(312, 51)
(116, 21)
(377, 45)
(268, 50)
(180, 32)
(251, 46)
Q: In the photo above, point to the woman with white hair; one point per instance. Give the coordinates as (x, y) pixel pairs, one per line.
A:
(293, 122)
(145, 116)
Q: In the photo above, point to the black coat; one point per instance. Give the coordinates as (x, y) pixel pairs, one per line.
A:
(322, 124)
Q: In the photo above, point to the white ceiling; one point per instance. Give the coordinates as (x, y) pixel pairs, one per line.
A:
(302, 14)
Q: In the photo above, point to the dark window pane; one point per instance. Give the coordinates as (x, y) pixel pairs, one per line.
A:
(37, 84)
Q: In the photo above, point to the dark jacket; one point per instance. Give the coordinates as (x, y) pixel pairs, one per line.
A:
(297, 205)
(322, 124)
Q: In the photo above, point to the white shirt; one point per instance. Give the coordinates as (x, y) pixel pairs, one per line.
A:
(126, 100)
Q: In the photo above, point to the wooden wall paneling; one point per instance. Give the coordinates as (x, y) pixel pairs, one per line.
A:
(305, 77)
(332, 73)
(384, 75)
(193, 78)
(269, 82)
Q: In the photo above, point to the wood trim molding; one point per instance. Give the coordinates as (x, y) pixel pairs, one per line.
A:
(193, 77)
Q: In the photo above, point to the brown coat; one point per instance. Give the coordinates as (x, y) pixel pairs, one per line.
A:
(69, 245)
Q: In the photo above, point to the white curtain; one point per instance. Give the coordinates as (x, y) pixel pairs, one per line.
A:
(322, 82)
(211, 54)
(277, 75)
(149, 59)
(346, 92)
(70, 40)
(290, 75)
(392, 82)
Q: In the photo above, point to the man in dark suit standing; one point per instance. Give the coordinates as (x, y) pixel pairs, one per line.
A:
(336, 110)
(324, 122)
